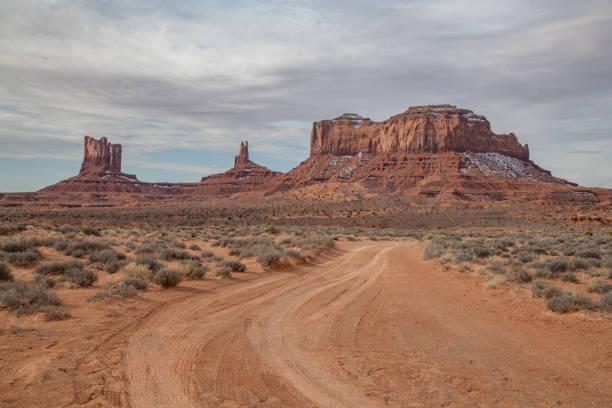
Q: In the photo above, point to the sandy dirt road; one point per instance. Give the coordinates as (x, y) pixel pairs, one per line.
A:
(374, 326)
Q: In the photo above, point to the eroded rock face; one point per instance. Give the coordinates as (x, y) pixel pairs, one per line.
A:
(244, 176)
(243, 156)
(420, 129)
(100, 157)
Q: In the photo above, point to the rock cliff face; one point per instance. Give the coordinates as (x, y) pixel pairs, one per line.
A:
(426, 148)
(420, 129)
(244, 176)
(100, 157)
(101, 173)
(243, 156)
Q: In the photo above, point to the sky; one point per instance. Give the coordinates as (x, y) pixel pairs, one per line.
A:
(180, 84)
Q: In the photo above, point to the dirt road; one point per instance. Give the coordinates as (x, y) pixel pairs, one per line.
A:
(374, 326)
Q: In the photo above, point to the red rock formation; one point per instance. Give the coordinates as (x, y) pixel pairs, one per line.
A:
(420, 129)
(101, 173)
(428, 148)
(243, 156)
(244, 176)
(100, 157)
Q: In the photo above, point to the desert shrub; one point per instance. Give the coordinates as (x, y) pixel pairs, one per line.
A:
(433, 250)
(26, 297)
(569, 277)
(207, 254)
(292, 253)
(270, 257)
(599, 286)
(25, 258)
(137, 270)
(235, 266)
(579, 264)
(521, 275)
(525, 258)
(169, 254)
(61, 244)
(105, 256)
(18, 244)
(588, 253)
(542, 289)
(217, 258)
(606, 301)
(113, 266)
(224, 272)
(88, 230)
(137, 283)
(11, 228)
(464, 268)
(54, 313)
(67, 229)
(59, 267)
(44, 280)
(83, 247)
(179, 244)
(463, 255)
(194, 247)
(82, 278)
(234, 252)
(145, 249)
(194, 270)
(168, 278)
(152, 263)
(567, 302)
(5, 272)
(557, 265)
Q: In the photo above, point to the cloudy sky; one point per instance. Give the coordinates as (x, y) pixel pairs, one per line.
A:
(179, 84)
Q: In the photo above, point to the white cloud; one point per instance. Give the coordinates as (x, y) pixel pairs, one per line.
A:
(205, 75)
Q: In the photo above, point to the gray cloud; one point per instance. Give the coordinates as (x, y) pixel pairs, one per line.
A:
(205, 75)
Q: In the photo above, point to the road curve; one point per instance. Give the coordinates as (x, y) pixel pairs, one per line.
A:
(373, 327)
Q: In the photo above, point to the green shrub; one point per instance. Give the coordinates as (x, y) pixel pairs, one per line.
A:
(194, 270)
(168, 278)
(153, 265)
(134, 270)
(5, 272)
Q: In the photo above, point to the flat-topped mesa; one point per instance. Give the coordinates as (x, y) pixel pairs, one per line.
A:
(420, 129)
(100, 157)
(243, 156)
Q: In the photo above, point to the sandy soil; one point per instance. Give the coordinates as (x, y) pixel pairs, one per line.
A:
(373, 325)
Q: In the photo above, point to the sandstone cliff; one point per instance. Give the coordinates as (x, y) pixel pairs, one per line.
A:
(420, 129)
(101, 173)
(244, 176)
(100, 157)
